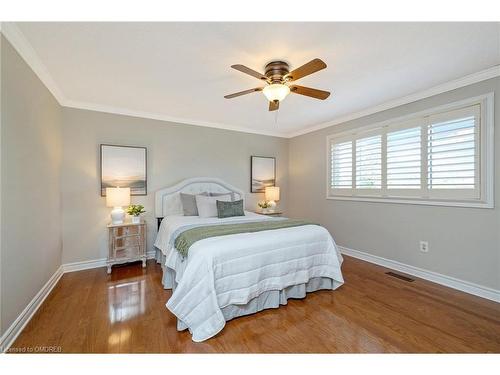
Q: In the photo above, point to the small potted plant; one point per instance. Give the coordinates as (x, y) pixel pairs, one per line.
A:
(264, 205)
(135, 210)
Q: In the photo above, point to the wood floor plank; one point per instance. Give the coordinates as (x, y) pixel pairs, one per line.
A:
(92, 312)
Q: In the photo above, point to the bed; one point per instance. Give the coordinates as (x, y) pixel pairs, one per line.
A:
(224, 277)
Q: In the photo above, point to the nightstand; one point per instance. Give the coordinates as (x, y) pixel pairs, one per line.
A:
(127, 243)
(275, 213)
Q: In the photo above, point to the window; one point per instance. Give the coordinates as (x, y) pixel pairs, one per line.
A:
(404, 162)
(443, 156)
(341, 170)
(369, 162)
(451, 153)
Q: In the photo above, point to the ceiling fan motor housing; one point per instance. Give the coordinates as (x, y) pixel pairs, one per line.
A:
(276, 70)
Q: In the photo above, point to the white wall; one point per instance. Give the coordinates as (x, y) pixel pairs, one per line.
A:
(31, 153)
(175, 152)
(464, 242)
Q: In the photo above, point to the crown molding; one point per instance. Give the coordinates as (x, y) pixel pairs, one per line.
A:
(162, 117)
(467, 80)
(24, 48)
(29, 55)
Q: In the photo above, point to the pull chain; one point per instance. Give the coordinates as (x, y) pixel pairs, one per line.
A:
(276, 117)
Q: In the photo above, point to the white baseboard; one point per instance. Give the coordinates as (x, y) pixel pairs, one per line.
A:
(96, 263)
(84, 265)
(18, 325)
(451, 282)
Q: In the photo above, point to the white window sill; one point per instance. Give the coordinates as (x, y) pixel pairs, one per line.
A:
(419, 201)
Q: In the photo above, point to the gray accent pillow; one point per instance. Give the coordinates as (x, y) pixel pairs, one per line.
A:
(219, 194)
(189, 203)
(230, 209)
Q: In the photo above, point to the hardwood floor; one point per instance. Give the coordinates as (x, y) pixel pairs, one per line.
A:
(90, 311)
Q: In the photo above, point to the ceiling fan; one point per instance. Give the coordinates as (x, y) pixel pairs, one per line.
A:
(278, 78)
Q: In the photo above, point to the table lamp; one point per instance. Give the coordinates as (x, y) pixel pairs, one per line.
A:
(272, 195)
(116, 198)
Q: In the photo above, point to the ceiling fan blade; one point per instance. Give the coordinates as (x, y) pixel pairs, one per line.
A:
(274, 105)
(311, 67)
(230, 96)
(307, 91)
(246, 70)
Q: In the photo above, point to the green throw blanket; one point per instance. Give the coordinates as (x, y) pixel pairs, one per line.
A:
(184, 240)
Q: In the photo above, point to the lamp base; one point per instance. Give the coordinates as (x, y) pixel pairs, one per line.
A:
(117, 215)
(272, 206)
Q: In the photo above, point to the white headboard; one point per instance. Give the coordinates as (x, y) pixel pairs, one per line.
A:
(168, 200)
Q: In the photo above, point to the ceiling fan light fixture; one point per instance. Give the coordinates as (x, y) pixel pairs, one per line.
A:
(276, 91)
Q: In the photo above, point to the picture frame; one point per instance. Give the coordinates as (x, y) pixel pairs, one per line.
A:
(123, 166)
(262, 173)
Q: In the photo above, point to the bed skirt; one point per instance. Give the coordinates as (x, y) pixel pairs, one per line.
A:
(267, 300)
(168, 278)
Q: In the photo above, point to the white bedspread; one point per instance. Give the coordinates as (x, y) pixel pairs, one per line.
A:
(234, 269)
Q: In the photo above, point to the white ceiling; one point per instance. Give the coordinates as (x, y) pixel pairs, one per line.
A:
(181, 71)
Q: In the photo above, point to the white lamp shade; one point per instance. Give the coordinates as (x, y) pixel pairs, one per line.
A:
(276, 91)
(272, 193)
(117, 197)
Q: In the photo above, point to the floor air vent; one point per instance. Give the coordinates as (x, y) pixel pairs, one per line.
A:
(398, 276)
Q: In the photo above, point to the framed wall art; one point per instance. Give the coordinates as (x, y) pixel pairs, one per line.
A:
(263, 173)
(124, 166)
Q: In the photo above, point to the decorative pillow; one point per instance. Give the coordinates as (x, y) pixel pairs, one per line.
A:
(207, 206)
(189, 203)
(219, 194)
(230, 209)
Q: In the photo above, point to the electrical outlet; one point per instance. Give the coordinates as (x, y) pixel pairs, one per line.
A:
(424, 246)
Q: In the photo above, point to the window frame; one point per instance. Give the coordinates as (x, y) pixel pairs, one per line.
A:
(484, 175)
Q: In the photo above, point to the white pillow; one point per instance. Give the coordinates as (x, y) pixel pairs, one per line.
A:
(207, 206)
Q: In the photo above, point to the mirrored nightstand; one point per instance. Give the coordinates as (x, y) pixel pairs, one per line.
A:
(127, 243)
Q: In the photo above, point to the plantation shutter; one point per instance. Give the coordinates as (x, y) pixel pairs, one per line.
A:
(341, 165)
(404, 159)
(452, 151)
(369, 162)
